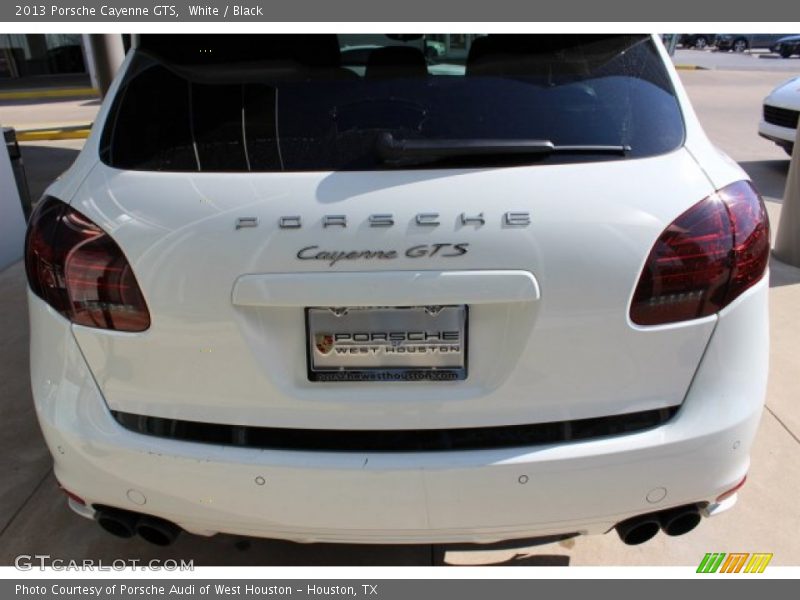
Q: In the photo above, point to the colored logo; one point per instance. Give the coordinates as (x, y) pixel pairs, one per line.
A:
(734, 562)
(324, 342)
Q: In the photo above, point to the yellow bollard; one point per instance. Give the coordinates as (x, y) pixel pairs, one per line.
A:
(787, 240)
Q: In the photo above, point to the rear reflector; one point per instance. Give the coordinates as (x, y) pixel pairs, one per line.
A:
(74, 497)
(705, 259)
(732, 491)
(77, 268)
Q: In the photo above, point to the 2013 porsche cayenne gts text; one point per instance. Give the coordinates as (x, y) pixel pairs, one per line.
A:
(333, 288)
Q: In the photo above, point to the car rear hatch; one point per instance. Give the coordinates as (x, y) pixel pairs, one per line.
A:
(262, 221)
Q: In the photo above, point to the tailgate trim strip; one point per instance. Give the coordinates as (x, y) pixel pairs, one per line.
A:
(394, 440)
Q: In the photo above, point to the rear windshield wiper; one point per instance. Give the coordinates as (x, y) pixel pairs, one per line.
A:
(409, 151)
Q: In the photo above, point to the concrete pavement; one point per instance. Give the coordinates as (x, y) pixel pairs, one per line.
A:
(34, 518)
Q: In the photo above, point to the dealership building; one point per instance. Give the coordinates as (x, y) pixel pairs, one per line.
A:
(35, 55)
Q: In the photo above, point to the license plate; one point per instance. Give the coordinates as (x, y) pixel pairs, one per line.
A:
(417, 343)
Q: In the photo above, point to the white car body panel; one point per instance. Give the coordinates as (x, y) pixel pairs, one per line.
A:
(549, 332)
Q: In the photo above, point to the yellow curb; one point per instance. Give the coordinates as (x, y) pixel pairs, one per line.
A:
(48, 125)
(53, 93)
(689, 68)
(39, 135)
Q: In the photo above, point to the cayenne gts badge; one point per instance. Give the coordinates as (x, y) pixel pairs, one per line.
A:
(443, 250)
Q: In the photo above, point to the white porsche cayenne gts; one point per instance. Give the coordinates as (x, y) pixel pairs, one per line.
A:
(509, 291)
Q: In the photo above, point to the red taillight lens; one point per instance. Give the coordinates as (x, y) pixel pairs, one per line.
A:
(707, 257)
(77, 268)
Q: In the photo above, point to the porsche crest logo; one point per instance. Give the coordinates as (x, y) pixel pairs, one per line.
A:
(323, 342)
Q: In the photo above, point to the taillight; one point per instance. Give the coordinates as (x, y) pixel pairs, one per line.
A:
(77, 268)
(705, 259)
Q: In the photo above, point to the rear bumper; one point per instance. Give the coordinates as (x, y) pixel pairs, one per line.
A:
(465, 496)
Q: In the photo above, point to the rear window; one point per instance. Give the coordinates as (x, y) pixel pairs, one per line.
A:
(272, 103)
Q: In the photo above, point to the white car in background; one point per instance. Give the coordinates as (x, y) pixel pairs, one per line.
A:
(278, 297)
(779, 116)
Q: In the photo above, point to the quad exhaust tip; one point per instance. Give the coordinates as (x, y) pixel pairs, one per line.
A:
(157, 531)
(681, 520)
(117, 522)
(638, 530)
(674, 521)
(126, 524)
